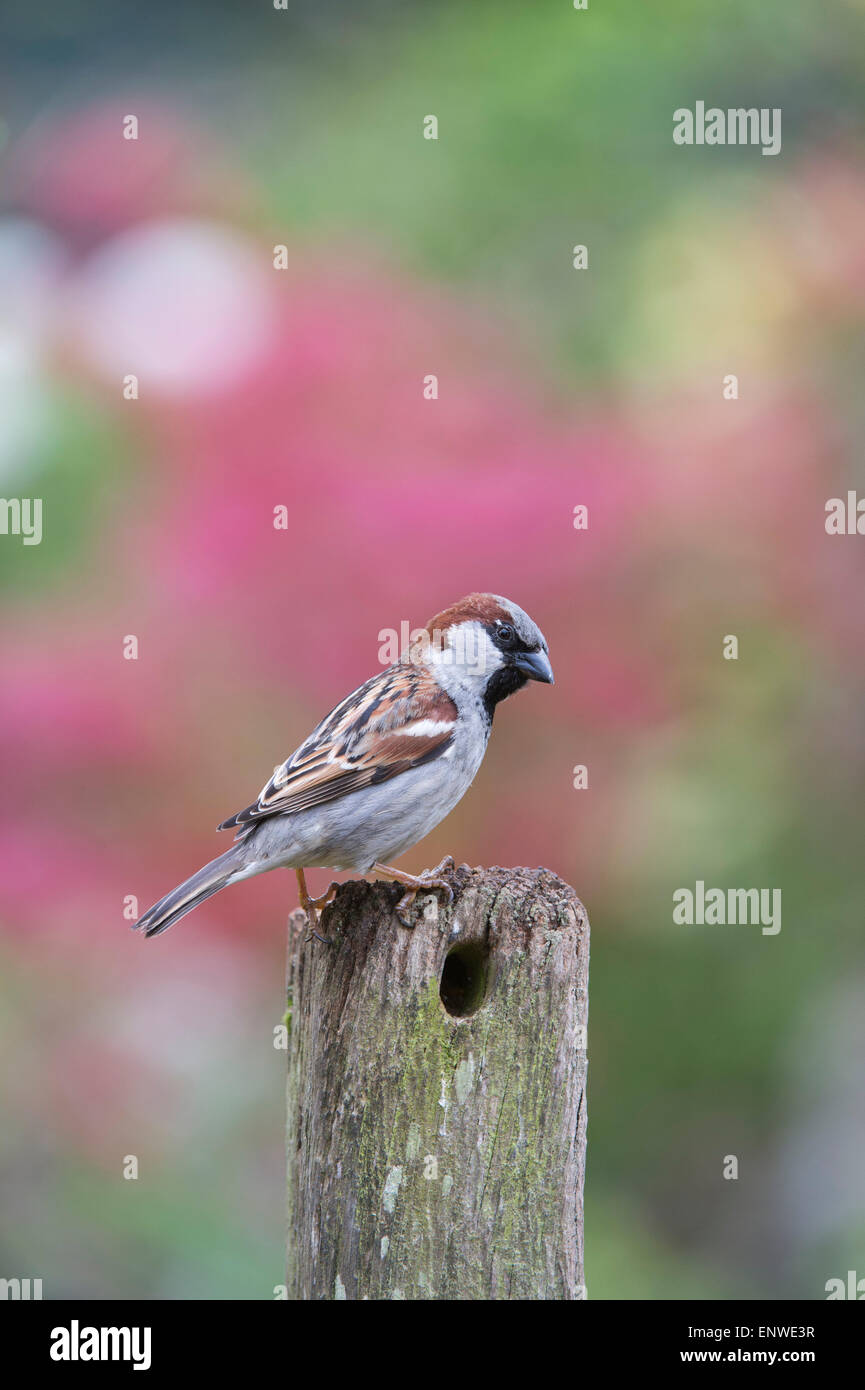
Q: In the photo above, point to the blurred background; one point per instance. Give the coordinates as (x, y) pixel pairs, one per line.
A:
(303, 387)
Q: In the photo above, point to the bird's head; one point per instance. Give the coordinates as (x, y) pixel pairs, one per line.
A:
(487, 646)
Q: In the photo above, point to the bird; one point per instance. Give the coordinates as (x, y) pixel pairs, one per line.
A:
(384, 767)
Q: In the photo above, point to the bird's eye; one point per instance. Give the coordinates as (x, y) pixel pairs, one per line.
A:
(506, 633)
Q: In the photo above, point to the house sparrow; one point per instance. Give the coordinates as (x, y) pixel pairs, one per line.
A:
(384, 767)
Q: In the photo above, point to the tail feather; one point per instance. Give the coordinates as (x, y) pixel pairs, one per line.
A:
(189, 894)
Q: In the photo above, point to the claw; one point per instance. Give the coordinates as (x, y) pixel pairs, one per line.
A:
(406, 902)
(314, 936)
(446, 866)
(417, 883)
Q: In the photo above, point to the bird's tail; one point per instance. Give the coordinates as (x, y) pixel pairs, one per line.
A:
(188, 895)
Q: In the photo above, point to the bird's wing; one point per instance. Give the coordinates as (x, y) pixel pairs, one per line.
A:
(399, 719)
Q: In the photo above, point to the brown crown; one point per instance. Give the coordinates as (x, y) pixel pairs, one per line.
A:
(481, 608)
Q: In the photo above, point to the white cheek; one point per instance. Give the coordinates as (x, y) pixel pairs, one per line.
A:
(465, 662)
(471, 653)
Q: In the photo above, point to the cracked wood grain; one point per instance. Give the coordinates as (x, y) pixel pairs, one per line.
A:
(436, 1093)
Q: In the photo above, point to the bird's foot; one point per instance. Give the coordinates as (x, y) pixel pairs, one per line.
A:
(418, 883)
(313, 907)
(326, 897)
(314, 936)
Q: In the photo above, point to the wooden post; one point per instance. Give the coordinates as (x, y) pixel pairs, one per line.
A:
(436, 1093)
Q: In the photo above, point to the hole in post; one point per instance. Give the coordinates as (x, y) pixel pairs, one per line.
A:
(465, 975)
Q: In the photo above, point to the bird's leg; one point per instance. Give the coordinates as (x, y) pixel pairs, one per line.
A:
(312, 906)
(431, 878)
(326, 897)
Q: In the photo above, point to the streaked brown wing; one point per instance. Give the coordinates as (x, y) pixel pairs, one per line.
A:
(399, 719)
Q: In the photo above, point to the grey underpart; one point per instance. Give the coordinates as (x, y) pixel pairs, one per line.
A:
(376, 824)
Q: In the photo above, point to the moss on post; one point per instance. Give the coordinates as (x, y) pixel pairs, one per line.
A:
(436, 1093)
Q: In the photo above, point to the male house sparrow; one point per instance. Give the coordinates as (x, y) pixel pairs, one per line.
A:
(385, 766)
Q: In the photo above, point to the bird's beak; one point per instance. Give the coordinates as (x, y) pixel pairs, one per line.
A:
(535, 665)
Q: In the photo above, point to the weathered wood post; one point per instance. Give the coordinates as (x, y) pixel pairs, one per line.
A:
(436, 1093)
